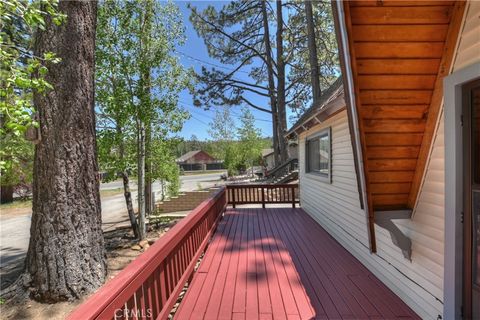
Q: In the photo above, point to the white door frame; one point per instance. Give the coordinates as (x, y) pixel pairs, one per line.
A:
(453, 256)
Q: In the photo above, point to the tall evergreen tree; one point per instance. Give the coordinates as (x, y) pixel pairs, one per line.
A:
(66, 256)
(266, 45)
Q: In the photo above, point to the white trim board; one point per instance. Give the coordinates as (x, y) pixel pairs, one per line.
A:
(453, 258)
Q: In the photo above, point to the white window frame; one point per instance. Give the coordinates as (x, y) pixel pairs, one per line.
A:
(321, 176)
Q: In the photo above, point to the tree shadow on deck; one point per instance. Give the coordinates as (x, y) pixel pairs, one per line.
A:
(269, 262)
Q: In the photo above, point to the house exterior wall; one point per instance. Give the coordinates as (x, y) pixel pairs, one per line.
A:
(418, 282)
(336, 207)
(468, 51)
(431, 202)
(430, 207)
(269, 161)
(201, 157)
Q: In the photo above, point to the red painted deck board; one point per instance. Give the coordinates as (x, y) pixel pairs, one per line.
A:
(279, 263)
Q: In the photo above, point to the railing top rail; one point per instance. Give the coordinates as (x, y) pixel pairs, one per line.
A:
(259, 185)
(126, 282)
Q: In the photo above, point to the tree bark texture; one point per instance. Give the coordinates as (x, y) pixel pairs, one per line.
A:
(271, 84)
(6, 194)
(142, 229)
(66, 257)
(144, 113)
(281, 100)
(148, 173)
(312, 51)
(128, 200)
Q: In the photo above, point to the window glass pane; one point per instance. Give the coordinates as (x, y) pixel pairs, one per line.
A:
(318, 154)
(324, 154)
(313, 156)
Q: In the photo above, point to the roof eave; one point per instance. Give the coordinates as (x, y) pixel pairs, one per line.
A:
(332, 108)
(349, 94)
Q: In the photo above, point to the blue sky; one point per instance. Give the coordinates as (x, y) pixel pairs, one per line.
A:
(195, 55)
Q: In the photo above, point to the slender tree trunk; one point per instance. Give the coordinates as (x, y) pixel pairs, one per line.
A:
(281, 103)
(144, 114)
(162, 186)
(148, 168)
(128, 200)
(142, 230)
(66, 257)
(271, 84)
(126, 184)
(312, 52)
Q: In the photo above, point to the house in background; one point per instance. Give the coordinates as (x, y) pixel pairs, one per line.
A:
(198, 160)
(390, 162)
(268, 158)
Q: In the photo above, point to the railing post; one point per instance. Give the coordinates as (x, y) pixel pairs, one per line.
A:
(233, 197)
(263, 197)
(293, 197)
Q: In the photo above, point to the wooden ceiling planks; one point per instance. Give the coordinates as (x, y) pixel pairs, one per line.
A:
(398, 51)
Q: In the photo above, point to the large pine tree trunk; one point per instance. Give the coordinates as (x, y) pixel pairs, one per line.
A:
(66, 256)
(271, 83)
(281, 100)
(312, 51)
(6, 193)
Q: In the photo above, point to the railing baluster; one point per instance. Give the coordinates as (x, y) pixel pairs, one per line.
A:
(163, 284)
(263, 197)
(293, 197)
(140, 301)
(130, 306)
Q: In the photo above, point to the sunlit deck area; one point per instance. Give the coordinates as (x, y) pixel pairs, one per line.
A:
(246, 263)
(278, 263)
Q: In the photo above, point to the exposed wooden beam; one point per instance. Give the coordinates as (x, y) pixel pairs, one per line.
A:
(437, 100)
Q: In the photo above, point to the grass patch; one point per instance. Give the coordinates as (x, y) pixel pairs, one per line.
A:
(111, 192)
(17, 204)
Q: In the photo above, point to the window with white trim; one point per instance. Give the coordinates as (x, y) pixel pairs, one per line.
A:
(318, 154)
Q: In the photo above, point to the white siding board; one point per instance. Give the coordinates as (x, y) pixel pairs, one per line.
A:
(468, 51)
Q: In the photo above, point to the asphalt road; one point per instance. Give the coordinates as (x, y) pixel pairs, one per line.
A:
(15, 228)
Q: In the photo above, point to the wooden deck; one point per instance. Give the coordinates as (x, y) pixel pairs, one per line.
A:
(278, 263)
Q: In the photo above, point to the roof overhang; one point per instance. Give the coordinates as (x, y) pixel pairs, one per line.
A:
(331, 104)
(349, 96)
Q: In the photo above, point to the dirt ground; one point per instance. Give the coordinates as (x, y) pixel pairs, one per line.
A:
(121, 250)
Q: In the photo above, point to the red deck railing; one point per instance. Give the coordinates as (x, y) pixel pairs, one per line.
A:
(262, 194)
(149, 286)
